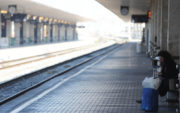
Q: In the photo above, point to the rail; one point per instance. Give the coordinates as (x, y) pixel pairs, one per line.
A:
(22, 61)
(14, 88)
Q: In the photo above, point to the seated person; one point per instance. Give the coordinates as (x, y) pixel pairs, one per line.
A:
(167, 71)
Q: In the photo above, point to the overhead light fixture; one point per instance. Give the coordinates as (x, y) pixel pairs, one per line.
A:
(55, 20)
(4, 11)
(34, 17)
(28, 16)
(46, 19)
(41, 18)
(124, 10)
(50, 19)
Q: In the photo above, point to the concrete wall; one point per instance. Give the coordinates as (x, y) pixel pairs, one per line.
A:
(165, 26)
(174, 25)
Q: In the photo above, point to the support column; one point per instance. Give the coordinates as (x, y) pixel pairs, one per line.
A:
(69, 33)
(62, 33)
(35, 33)
(154, 22)
(45, 33)
(59, 32)
(73, 27)
(48, 32)
(12, 33)
(31, 33)
(148, 37)
(66, 38)
(173, 27)
(55, 32)
(40, 32)
(21, 32)
(164, 25)
(51, 33)
(159, 18)
(153, 28)
(0, 26)
(27, 32)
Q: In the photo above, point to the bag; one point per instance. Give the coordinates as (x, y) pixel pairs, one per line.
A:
(151, 82)
(149, 99)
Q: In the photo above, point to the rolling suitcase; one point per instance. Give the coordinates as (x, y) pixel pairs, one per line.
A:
(149, 99)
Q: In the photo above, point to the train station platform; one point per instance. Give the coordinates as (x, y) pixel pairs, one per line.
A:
(18, 62)
(109, 84)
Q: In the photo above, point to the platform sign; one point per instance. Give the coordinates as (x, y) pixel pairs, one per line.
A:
(4, 42)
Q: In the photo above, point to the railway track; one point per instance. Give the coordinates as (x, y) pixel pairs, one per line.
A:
(20, 85)
(22, 61)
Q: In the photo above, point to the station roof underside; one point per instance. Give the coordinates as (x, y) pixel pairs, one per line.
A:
(135, 7)
(37, 9)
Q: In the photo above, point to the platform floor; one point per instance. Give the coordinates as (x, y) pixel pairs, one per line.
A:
(110, 85)
(10, 73)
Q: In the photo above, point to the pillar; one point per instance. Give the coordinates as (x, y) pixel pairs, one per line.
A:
(62, 33)
(27, 32)
(35, 33)
(173, 27)
(11, 32)
(156, 27)
(74, 31)
(152, 22)
(159, 3)
(0, 26)
(21, 33)
(55, 32)
(45, 33)
(31, 33)
(59, 32)
(66, 30)
(17, 33)
(69, 33)
(40, 32)
(51, 33)
(48, 32)
(164, 25)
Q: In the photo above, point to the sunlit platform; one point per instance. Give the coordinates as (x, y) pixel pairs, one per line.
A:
(111, 85)
(36, 57)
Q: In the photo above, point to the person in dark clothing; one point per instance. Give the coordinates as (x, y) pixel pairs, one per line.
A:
(168, 71)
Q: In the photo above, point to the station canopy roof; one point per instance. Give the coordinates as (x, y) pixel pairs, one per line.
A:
(136, 7)
(37, 9)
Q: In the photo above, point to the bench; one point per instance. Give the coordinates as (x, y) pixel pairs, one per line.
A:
(173, 93)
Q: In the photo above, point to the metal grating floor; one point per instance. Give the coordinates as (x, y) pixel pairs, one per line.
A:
(110, 86)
